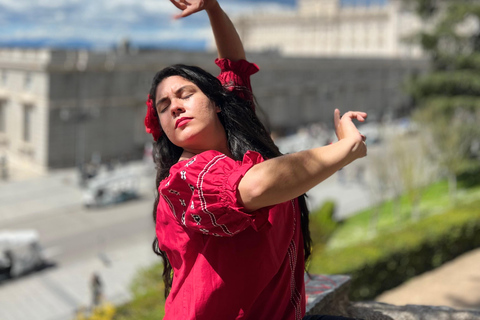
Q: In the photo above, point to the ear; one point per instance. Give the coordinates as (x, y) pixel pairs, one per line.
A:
(217, 109)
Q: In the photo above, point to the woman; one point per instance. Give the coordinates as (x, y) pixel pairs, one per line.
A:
(231, 219)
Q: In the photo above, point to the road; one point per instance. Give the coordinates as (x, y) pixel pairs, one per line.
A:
(81, 233)
(114, 241)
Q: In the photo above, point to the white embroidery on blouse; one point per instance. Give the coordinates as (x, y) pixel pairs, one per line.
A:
(190, 162)
(172, 208)
(203, 202)
(295, 296)
(174, 192)
(191, 187)
(183, 218)
(197, 218)
(182, 202)
(183, 175)
(192, 206)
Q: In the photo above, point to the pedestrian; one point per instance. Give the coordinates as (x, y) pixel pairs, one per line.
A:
(230, 211)
(4, 167)
(97, 289)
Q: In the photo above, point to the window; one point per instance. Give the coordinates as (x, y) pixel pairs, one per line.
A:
(3, 79)
(3, 116)
(28, 80)
(27, 122)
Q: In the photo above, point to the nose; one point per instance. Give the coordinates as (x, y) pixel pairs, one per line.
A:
(177, 108)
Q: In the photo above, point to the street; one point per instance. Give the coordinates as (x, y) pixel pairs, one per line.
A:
(113, 241)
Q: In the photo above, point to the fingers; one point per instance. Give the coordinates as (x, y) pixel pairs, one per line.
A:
(336, 117)
(188, 8)
(185, 13)
(179, 5)
(360, 116)
(344, 125)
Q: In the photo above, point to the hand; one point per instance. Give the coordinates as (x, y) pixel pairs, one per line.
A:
(346, 129)
(189, 7)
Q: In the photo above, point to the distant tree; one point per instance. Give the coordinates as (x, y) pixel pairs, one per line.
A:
(448, 97)
(380, 187)
(400, 168)
(385, 183)
(413, 169)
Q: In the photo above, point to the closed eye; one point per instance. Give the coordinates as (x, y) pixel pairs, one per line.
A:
(163, 107)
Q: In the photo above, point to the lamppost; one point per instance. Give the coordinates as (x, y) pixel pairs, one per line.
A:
(80, 115)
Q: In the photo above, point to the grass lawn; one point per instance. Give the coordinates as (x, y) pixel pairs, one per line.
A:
(148, 302)
(396, 214)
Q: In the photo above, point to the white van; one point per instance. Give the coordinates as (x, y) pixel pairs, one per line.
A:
(111, 188)
(20, 252)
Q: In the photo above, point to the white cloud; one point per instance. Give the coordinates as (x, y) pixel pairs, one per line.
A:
(107, 21)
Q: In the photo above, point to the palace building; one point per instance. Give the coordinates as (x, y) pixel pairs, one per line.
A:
(61, 108)
(335, 28)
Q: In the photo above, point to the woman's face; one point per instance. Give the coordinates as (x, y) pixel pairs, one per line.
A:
(188, 117)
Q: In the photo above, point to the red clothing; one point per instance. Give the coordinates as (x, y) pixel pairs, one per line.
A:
(228, 264)
(235, 76)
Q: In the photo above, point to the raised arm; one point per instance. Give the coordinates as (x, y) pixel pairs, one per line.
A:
(228, 41)
(289, 176)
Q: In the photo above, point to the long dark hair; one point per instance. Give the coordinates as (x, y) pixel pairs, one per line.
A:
(244, 132)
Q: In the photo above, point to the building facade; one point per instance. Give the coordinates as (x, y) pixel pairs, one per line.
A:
(60, 108)
(335, 28)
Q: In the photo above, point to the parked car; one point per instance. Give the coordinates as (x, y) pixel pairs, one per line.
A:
(20, 252)
(110, 189)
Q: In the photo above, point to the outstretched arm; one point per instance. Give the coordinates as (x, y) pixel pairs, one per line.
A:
(227, 39)
(287, 177)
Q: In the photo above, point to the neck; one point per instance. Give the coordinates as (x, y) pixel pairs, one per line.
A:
(189, 153)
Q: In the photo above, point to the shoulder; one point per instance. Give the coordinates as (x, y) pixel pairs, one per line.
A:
(190, 169)
(198, 160)
(210, 164)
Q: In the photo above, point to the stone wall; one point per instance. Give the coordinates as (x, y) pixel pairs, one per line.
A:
(87, 103)
(328, 295)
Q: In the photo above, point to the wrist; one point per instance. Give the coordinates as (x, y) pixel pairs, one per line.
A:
(214, 9)
(356, 149)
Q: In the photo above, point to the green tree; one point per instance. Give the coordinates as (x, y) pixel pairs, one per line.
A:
(448, 97)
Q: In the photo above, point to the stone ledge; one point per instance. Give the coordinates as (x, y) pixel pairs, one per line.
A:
(324, 291)
(328, 295)
(412, 312)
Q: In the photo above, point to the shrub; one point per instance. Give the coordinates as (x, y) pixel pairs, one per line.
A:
(105, 311)
(322, 224)
(148, 300)
(391, 259)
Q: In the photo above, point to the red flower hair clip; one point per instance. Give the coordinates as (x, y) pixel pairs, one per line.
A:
(152, 124)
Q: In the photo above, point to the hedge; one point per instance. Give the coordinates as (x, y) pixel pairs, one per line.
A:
(322, 225)
(391, 259)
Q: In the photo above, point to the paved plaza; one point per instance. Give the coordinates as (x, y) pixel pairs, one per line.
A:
(56, 293)
(78, 249)
(43, 201)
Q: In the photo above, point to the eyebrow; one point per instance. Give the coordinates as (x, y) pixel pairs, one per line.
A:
(177, 92)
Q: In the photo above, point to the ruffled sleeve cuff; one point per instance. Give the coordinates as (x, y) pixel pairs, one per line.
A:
(202, 194)
(231, 199)
(240, 67)
(235, 76)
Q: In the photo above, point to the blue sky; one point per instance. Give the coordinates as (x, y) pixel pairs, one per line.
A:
(103, 23)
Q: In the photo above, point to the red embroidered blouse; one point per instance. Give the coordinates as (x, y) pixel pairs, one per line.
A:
(228, 264)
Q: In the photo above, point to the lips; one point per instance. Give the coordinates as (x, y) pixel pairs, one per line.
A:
(182, 121)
